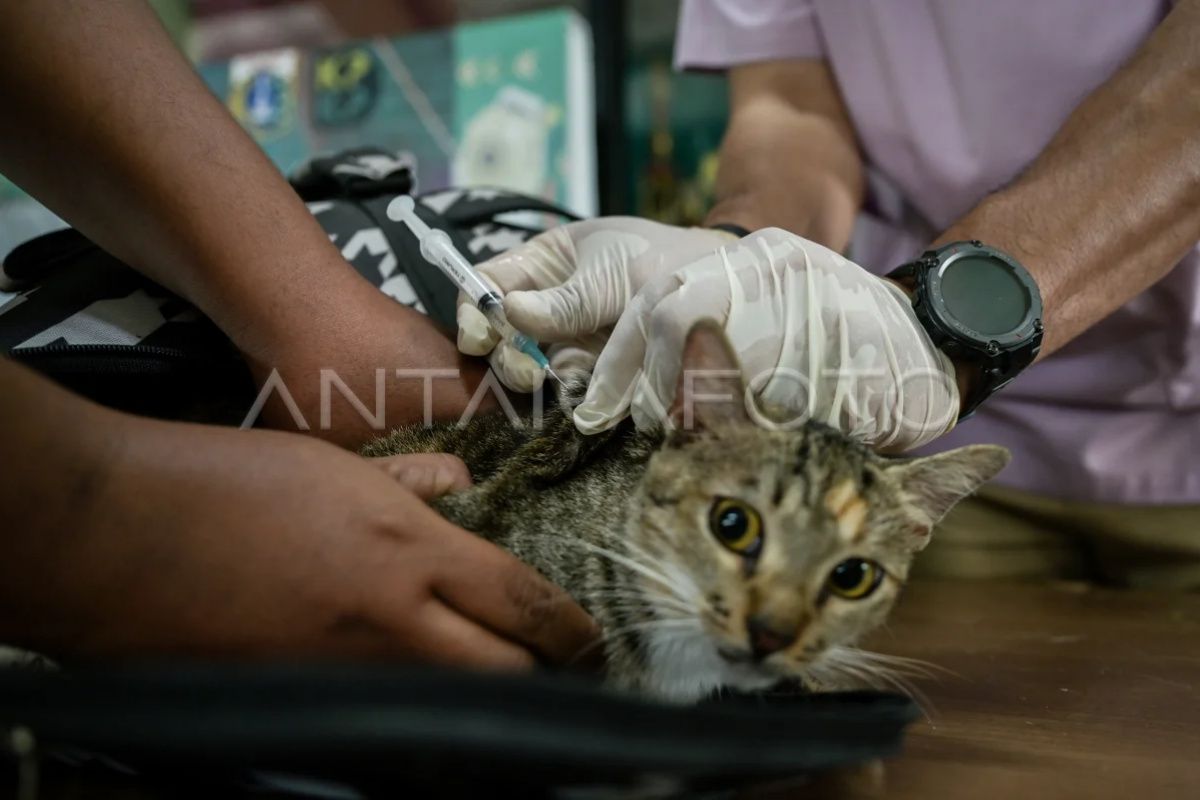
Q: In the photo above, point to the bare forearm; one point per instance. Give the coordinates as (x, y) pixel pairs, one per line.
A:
(1114, 200)
(789, 159)
(779, 173)
(112, 129)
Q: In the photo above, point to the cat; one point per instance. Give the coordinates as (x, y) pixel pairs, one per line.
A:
(721, 554)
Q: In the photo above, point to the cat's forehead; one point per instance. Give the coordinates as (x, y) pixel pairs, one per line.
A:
(813, 453)
(812, 478)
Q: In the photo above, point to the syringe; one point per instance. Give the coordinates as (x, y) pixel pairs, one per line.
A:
(438, 250)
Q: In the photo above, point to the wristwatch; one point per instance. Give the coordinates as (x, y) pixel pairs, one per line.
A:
(981, 308)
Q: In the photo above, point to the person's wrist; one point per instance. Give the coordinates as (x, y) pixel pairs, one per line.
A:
(339, 327)
(728, 230)
(904, 285)
(270, 321)
(733, 214)
(364, 340)
(966, 373)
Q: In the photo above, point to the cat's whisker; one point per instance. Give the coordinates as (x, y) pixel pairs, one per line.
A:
(907, 687)
(664, 625)
(638, 567)
(904, 665)
(874, 669)
(838, 669)
(649, 601)
(628, 611)
(681, 598)
(644, 569)
(627, 594)
(651, 624)
(662, 607)
(684, 583)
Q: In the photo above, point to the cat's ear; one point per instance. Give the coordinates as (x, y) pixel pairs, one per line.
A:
(934, 484)
(710, 389)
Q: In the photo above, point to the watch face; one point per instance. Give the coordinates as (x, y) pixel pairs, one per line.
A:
(985, 293)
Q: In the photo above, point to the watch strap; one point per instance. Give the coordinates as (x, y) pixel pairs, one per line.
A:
(729, 227)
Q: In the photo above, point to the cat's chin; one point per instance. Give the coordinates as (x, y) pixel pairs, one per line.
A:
(688, 668)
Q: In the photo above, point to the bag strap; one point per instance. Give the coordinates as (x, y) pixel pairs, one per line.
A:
(355, 175)
(30, 262)
(467, 207)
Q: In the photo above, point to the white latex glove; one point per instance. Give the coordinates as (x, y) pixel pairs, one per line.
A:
(816, 334)
(569, 285)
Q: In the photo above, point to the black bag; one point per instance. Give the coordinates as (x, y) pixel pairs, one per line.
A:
(346, 732)
(94, 325)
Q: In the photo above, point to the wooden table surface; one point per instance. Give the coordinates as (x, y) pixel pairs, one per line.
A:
(1061, 691)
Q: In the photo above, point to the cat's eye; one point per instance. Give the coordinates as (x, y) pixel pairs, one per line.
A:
(736, 525)
(855, 578)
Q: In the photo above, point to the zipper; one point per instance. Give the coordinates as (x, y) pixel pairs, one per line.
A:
(116, 360)
(124, 350)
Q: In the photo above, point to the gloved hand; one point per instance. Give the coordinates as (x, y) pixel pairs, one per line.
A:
(817, 335)
(568, 285)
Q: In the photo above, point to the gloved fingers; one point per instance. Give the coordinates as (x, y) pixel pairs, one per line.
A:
(619, 365)
(614, 263)
(589, 300)
(516, 370)
(926, 389)
(476, 336)
(639, 365)
(667, 330)
(546, 260)
(599, 289)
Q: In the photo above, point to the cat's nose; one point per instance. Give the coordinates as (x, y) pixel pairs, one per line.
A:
(768, 636)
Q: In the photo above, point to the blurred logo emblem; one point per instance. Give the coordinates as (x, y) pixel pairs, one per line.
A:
(345, 86)
(263, 103)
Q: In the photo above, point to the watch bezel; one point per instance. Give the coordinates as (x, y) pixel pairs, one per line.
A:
(938, 261)
(999, 358)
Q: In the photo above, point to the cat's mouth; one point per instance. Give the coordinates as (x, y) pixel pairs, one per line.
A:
(747, 671)
(746, 658)
(737, 655)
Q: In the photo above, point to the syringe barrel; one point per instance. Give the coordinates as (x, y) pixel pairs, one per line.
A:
(437, 248)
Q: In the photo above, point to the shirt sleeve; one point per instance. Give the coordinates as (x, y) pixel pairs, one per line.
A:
(717, 34)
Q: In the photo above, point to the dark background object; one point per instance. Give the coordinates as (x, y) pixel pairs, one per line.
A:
(608, 44)
(389, 731)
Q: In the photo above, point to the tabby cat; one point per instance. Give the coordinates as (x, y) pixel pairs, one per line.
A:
(723, 553)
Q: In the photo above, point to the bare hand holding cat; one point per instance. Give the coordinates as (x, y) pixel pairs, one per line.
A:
(818, 335)
(135, 537)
